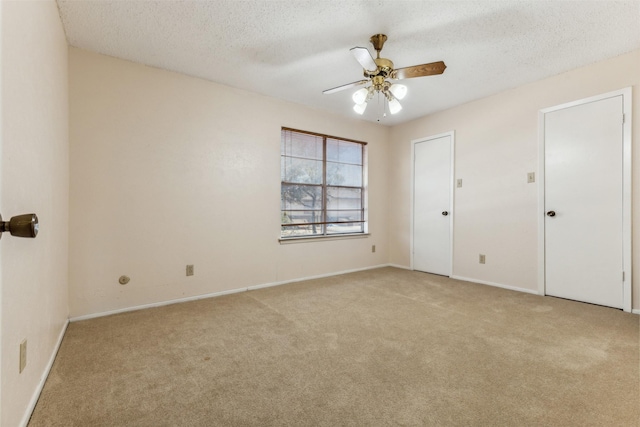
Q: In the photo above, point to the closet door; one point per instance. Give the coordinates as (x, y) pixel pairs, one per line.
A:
(432, 215)
(583, 202)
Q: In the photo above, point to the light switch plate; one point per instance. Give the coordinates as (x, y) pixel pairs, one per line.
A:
(459, 183)
(531, 177)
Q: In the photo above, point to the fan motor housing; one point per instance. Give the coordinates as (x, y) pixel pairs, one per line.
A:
(385, 67)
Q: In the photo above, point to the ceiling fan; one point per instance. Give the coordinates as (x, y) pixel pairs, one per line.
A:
(378, 70)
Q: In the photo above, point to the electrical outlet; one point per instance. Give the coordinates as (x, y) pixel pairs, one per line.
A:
(531, 177)
(23, 355)
(459, 183)
(190, 270)
(482, 259)
(373, 248)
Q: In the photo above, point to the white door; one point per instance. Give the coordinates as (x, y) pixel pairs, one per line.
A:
(583, 200)
(432, 216)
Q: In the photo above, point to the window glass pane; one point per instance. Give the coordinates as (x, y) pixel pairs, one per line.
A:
(345, 228)
(301, 217)
(344, 174)
(344, 216)
(301, 171)
(344, 152)
(300, 197)
(344, 198)
(294, 144)
(301, 230)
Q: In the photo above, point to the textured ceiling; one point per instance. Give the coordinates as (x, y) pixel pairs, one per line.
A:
(294, 50)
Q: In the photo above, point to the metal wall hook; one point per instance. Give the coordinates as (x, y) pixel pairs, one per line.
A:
(25, 225)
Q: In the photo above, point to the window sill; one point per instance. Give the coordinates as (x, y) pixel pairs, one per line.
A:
(291, 240)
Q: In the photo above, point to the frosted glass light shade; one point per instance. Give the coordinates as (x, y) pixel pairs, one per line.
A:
(394, 106)
(359, 108)
(399, 91)
(360, 96)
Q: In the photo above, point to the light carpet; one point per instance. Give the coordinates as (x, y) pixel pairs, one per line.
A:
(373, 348)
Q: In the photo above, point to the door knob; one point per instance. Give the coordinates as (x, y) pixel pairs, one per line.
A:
(21, 225)
(445, 213)
(551, 213)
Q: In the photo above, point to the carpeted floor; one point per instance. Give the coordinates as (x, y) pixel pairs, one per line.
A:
(373, 348)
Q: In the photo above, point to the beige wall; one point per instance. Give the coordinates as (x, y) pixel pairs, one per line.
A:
(34, 176)
(150, 148)
(496, 145)
(169, 170)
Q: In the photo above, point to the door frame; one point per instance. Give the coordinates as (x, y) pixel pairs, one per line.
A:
(626, 189)
(450, 134)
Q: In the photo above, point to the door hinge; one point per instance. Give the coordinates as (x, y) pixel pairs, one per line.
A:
(623, 276)
(623, 118)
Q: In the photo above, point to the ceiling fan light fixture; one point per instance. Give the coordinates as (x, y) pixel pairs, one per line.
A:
(378, 72)
(360, 96)
(394, 106)
(359, 108)
(398, 90)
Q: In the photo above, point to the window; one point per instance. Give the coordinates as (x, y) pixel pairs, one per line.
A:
(322, 189)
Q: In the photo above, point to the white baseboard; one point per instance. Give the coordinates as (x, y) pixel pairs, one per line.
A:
(320, 276)
(497, 285)
(512, 288)
(155, 304)
(43, 378)
(403, 267)
(216, 294)
(284, 282)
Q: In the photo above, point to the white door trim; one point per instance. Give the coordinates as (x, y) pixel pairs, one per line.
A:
(451, 196)
(626, 185)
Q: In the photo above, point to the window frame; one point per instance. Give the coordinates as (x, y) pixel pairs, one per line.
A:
(324, 186)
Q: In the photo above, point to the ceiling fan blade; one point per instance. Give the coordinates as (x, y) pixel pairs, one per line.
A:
(429, 69)
(363, 56)
(343, 87)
